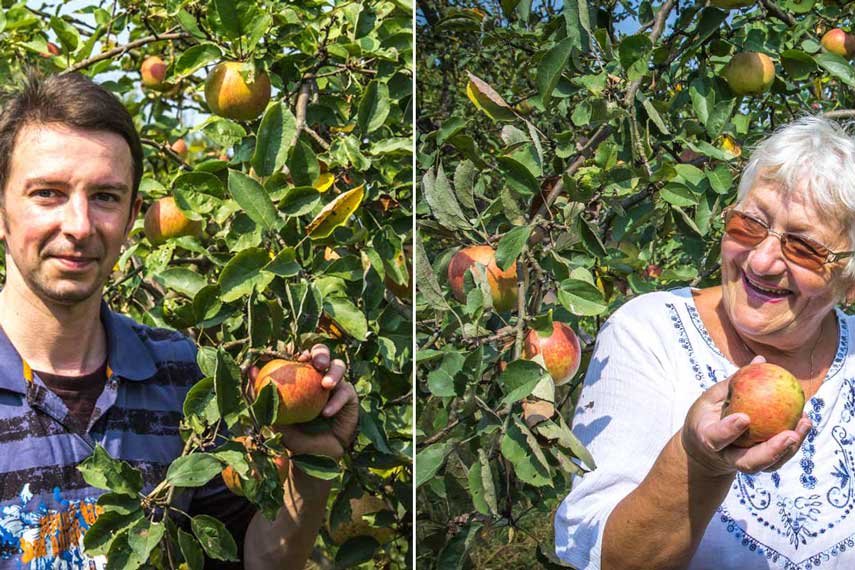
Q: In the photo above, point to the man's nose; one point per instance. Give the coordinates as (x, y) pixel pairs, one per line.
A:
(76, 222)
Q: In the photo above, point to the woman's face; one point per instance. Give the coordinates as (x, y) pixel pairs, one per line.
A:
(768, 298)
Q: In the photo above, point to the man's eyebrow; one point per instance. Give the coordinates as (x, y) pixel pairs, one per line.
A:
(57, 183)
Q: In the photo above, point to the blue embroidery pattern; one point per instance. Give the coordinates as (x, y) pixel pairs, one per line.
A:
(805, 524)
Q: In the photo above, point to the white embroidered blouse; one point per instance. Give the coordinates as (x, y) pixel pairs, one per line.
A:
(652, 359)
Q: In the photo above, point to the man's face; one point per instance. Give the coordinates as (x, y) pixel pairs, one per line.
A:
(66, 210)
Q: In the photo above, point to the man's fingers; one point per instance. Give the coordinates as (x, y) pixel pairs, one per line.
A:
(342, 394)
(320, 357)
(720, 434)
(334, 374)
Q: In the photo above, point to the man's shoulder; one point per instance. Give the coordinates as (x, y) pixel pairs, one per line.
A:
(167, 344)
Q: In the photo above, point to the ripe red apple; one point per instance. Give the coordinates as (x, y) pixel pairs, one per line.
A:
(839, 42)
(653, 271)
(232, 479)
(357, 526)
(164, 220)
(229, 95)
(561, 351)
(770, 396)
(153, 72)
(301, 395)
(179, 147)
(52, 50)
(749, 73)
(503, 284)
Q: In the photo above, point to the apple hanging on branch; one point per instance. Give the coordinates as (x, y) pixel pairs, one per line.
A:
(503, 284)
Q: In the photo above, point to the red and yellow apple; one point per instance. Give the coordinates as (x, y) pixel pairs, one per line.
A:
(839, 42)
(749, 73)
(153, 72)
(771, 397)
(179, 147)
(164, 220)
(561, 351)
(230, 95)
(52, 50)
(503, 284)
(358, 526)
(301, 395)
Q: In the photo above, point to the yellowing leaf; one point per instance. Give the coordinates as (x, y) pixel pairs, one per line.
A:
(324, 181)
(488, 100)
(336, 213)
(345, 129)
(730, 145)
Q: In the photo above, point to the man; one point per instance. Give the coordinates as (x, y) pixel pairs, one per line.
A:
(74, 374)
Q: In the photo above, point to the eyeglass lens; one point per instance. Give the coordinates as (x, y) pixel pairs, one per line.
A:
(749, 231)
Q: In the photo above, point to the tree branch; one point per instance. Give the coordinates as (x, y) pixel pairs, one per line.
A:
(775, 10)
(123, 48)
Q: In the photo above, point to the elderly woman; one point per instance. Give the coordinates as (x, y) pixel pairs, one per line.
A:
(670, 491)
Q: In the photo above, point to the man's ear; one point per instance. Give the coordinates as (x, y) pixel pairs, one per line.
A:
(135, 210)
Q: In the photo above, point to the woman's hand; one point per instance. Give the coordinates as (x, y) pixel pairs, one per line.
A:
(706, 437)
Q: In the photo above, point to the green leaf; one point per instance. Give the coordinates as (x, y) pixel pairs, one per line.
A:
(182, 280)
(102, 471)
(119, 503)
(577, 23)
(454, 553)
(449, 128)
(511, 246)
(284, 264)
(464, 183)
(347, 316)
(144, 537)
(551, 67)
(276, 135)
(837, 66)
(195, 58)
(243, 273)
(581, 298)
(720, 179)
(201, 401)
(678, 195)
(518, 177)
(110, 524)
(481, 485)
(215, 539)
(426, 280)
(798, 64)
(634, 52)
(355, 551)
(236, 16)
(519, 380)
(653, 114)
(703, 99)
(303, 164)
(67, 34)
(520, 447)
(429, 461)
(318, 466)
(374, 107)
(253, 199)
(441, 199)
(591, 238)
(227, 384)
(191, 551)
(193, 470)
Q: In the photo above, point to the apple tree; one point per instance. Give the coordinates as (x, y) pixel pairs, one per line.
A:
(277, 189)
(571, 156)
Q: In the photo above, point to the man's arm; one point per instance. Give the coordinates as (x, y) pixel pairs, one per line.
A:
(287, 541)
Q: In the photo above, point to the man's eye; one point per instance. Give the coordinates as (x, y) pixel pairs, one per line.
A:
(44, 193)
(107, 197)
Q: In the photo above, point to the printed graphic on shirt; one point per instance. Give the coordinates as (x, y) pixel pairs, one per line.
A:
(39, 538)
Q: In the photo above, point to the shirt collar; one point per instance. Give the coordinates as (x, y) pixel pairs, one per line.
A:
(127, 356)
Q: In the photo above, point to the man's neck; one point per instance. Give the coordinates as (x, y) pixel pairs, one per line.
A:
(54, 338)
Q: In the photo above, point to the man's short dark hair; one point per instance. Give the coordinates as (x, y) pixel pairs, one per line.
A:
(70, 99)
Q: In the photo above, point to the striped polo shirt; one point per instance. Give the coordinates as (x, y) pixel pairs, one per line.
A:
(45, 505)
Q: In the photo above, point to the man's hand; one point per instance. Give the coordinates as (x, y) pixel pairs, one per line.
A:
(342, 409)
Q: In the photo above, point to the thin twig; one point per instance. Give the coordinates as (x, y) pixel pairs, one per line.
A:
(168, 151)
(123, 48)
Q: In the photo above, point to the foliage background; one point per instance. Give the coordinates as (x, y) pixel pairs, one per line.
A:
(255, 285)
(600, 153)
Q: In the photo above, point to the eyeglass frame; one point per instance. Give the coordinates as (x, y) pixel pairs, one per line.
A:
(832, 257)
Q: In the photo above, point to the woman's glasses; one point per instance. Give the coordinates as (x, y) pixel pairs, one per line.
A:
(799, 249)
